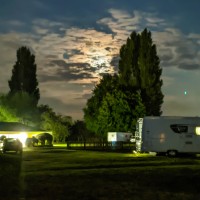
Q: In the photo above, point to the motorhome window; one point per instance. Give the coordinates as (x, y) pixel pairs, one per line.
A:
(177, 128)
(197, 130)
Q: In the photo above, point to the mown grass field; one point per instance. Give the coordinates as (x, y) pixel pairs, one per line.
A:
(10, 167)
(58, 173)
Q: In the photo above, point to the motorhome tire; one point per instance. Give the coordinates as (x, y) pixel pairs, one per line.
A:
(160, 154)
(172, 153)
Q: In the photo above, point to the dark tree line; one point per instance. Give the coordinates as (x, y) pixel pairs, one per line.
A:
(116, 102)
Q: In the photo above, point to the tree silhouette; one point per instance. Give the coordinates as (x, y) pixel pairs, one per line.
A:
(24, 78)
(139, 70)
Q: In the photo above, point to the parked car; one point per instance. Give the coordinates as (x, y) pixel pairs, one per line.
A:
(12, 144)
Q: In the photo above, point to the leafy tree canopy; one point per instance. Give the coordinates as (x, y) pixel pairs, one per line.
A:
(7, 114)
(58, 124)
(79, 132)
(116, 114)
(111, 108)
(18, 107)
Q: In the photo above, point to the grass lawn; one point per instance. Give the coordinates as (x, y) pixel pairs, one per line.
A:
(63, 174)
(58, 173)
(10, 166)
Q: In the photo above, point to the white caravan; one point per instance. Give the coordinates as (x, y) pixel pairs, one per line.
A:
(168, 135)
(119, 136)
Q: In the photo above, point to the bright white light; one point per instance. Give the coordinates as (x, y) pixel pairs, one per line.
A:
(197, 130)
(22, 137)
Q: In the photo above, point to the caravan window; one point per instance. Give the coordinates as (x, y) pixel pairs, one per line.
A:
(197, 130)
(178, 128)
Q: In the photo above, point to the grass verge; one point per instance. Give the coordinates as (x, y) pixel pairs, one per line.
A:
(10, 166)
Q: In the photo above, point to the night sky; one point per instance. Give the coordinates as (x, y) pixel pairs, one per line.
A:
(76, 42)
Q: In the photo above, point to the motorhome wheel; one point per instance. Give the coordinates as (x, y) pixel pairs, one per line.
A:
(172, 153)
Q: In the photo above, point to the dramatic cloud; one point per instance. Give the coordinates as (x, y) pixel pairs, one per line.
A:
(176, 49)
(71, 59)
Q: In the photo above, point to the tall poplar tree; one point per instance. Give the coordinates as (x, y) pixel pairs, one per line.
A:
(139, 70)
(128, 63)
(24, 78)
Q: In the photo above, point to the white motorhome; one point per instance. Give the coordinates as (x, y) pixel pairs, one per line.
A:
(168, 135)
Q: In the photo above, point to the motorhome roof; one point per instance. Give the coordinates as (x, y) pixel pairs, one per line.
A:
(172, 117)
